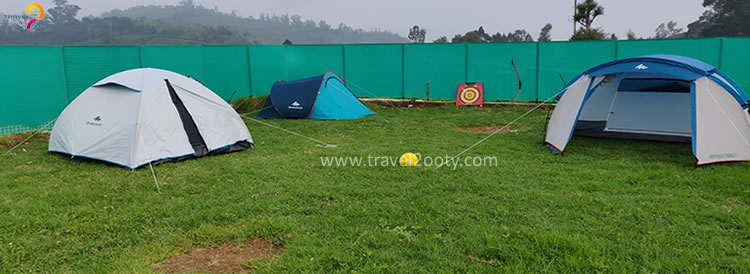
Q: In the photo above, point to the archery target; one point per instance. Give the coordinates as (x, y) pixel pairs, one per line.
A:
(470, 94)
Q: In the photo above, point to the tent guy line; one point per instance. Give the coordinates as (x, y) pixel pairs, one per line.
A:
(501, 129)
(326, 145)
(29, 138)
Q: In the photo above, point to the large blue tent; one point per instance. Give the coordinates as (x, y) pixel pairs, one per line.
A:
(657, 97)
(323, 97)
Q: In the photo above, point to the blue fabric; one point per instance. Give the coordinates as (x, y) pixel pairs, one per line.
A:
(693, 118)
(324, 97)
(295, 99)
(678, 67)
(336, 102)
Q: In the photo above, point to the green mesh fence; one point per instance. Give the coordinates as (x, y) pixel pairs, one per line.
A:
(442, 65)
(267, 65)
(185, 60)
(226, 71)
(568, 59)
(33, 87)
(38, 82)
(706, 50)
(84, 66)
(491, 65)
(374, 70)
(735, 61)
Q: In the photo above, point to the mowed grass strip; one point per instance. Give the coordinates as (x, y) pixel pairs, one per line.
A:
(606, 205)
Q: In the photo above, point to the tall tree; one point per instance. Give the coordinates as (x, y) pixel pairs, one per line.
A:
(63, 12)
(546, 34)
(417, 34)
(723, 18)
(669, 30)
(586, 13)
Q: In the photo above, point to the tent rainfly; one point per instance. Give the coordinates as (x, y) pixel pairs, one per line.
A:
(658, 97)
(324, 97)
(148, 116)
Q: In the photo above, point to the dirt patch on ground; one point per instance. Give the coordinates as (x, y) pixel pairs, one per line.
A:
(229, 258)
(510, 128)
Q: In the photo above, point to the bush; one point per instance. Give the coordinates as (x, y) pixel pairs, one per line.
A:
(249, 104)
(12, 140)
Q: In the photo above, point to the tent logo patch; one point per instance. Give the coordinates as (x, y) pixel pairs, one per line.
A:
(96, 122)
(641, 67)
(295, 105)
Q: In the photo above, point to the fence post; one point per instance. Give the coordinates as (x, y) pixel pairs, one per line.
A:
(65, 74)
(249, 71)
(721, 53)
(343, 61)
(403, 71)
(466, 62)
(538, 61)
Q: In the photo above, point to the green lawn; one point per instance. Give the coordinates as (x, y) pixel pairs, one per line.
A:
(606, 205)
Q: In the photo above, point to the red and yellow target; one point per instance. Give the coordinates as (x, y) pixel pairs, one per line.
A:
(470, 94)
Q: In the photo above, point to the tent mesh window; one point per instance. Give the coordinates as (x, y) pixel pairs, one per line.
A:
(654, 85)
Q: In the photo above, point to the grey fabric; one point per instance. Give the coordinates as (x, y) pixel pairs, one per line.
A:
(129, 119)
(722, 125)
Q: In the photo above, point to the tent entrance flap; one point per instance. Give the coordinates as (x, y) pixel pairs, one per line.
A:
(194, 136)
(658, 113)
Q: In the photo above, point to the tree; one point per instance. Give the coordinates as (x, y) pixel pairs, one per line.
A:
(417, 35)
(187, 3)
(441, 40)
(613, 37)
(546, 34)
(592, 34)
(631, 35)
(287, 42)
(63, 13)
(586, 13)
(323, 25)
(669, 30)
(723, 18)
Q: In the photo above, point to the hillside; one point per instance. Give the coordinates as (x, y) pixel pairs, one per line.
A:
(263, 30)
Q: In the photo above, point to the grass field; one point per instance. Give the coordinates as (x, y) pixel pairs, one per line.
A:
(606, 205)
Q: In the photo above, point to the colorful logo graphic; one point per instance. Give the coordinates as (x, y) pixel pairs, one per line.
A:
(36, 11)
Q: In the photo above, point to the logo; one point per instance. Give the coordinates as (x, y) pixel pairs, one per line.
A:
(724, 156)
(96, 122)
(33, 10)
(295, 105)
(36, 11)
(641, 67)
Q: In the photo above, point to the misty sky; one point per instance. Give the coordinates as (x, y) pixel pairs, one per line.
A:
(440, 17)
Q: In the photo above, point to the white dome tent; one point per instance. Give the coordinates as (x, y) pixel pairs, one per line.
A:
(148, 116)
(659, 97)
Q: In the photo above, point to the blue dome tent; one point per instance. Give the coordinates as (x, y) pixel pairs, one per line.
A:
(658, 97)
(324, 97)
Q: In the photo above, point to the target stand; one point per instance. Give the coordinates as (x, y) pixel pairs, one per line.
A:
(470, 94)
